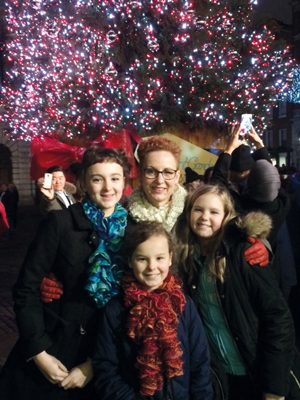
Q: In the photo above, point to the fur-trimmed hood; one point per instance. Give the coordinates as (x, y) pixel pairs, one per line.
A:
(69, 187)
(255, 224)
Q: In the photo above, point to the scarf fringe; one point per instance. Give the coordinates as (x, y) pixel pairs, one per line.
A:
(106, 271)
(153, 323)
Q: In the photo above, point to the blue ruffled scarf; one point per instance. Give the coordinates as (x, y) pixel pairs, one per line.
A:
(107, 268)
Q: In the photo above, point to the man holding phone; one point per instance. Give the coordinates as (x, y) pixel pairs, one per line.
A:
(60, 194)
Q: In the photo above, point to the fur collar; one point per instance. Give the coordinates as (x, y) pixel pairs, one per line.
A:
(141, 210)
(255, 224)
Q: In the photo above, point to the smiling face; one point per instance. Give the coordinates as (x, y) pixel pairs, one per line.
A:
(58, 181)
(158, 191)
(104, 183)
(151, 261)
(207, 215)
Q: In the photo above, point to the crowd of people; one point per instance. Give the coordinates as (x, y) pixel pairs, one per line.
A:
(168, 293)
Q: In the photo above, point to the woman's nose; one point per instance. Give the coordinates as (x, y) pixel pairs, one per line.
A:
(160, 178)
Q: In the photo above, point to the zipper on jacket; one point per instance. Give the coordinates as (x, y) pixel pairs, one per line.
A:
(219, 382)
(296, 380)
(229, 330)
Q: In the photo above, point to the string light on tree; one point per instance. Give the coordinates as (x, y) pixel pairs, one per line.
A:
(85, 67)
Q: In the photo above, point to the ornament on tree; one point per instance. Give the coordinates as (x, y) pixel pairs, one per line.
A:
(196, 76)
(200, 23)
(111, 36)
(51, 29)
(134, 3)
(234, 55)
(29, 92)
(36, 4)
(153, 45)
(111, 72)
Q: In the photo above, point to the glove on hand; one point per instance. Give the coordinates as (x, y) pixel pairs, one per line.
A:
(257, 253)
(50, 288)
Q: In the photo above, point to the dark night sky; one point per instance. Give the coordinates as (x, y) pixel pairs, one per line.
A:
(279, 9)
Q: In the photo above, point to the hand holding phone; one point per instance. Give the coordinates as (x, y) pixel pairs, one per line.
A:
(246, 122)
(47, 181)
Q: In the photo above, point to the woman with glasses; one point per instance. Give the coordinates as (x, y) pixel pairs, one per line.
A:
(159, 197)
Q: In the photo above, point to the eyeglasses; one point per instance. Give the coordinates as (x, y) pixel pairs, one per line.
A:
(167, 174)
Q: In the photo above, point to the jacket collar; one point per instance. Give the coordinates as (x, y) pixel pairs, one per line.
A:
(80, 218)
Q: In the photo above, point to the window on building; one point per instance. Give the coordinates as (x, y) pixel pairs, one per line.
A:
(282, 108)
(282, 159)
(5, 164)
(282, 137)
(269, 139)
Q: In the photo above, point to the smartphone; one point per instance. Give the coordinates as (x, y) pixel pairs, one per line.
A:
(47, 181)
(246, 122)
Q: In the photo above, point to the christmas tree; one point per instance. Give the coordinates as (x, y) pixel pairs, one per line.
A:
(88, 67)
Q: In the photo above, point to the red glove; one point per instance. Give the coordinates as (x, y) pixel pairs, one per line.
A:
(50, 288)
(257, 253)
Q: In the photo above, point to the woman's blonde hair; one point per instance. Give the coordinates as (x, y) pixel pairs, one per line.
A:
(187, 239)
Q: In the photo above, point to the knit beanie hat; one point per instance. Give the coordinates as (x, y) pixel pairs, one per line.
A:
(191, 175)
(263, 182)
(241, 159)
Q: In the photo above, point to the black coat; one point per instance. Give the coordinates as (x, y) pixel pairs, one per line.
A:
(258, 317)
(64, 328)
(115, 375)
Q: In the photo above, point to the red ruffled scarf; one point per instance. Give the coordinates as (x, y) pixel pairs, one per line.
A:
(152, 324)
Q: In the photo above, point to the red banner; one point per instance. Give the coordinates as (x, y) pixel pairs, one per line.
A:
(46, 152)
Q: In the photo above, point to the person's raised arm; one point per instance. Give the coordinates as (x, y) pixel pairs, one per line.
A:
(221, 168)
(254, 138)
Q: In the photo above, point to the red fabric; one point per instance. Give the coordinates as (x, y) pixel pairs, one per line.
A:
(46, 152)
(120, 140)
(153, 323)
(3, 220)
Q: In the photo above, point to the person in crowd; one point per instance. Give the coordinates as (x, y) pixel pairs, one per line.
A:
(208, 174)
(151, 343)
(159, 198)
(75, 170)
(192, 180)
(258, 186)
(7, 199)
(247, 321)
(263, 192)
(13, 189)
(80, 245)
(234, 164)
(4, 226)
(60, 196)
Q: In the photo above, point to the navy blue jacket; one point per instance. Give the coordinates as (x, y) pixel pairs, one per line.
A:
(115, 374)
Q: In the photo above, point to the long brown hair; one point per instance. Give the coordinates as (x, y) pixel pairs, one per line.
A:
(187, 239)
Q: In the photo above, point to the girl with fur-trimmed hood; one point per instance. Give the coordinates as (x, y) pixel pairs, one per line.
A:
(247, 322)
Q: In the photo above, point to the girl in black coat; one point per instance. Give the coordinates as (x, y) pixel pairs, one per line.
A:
(151, 343)
(248, 324)
(80, 245)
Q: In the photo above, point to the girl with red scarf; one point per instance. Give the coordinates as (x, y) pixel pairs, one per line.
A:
(151, 343)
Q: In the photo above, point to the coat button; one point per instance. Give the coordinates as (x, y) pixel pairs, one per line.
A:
(194, 287)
